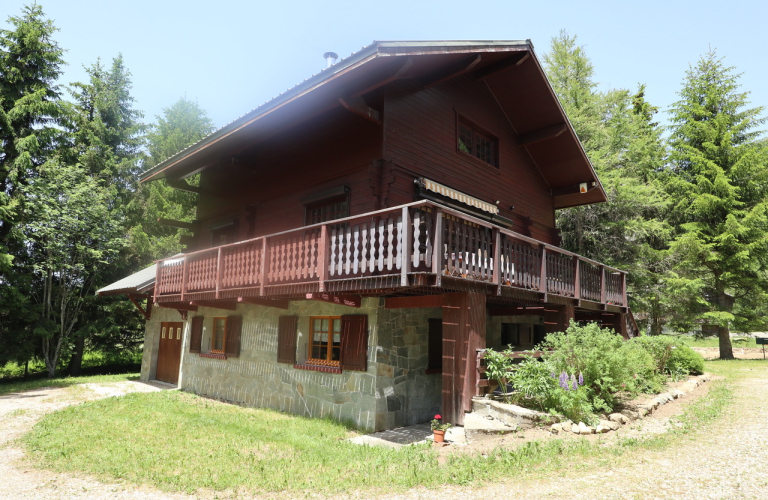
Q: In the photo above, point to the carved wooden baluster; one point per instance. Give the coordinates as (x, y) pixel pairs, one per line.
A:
(332, 267)
(348, 251)
(399, 243)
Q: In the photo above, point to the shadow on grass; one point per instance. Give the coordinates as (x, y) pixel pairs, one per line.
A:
(15, 388)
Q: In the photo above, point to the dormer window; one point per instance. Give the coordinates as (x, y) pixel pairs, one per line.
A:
(476, 142)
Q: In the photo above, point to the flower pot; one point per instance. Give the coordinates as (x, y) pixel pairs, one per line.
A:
(439, 436)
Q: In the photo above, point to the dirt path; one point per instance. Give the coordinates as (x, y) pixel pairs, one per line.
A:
(731, 463)
(19, 412)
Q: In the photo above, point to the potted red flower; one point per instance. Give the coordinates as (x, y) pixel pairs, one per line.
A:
(438, 429)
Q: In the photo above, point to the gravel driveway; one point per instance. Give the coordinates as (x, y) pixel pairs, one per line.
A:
(732, 462)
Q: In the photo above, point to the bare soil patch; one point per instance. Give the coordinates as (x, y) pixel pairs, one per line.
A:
(738, 352)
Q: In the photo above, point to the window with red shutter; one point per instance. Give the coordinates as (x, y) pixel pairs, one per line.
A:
(232, 338)
(196, 334)
(354, 342)
(286, 339)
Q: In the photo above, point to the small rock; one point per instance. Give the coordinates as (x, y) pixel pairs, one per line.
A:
(566, 426)
(556, 428)
(676, 393)
(630, 414)
(575, 428)
(643, 411)
(614, 426)
(584, 429)
(604, 427)
(615, 417)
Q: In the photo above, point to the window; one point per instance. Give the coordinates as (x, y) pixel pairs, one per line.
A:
(475, 142)
(335, 342)
(435, 345)
(219, 335)
(330, 209)
(510, 334)
(325, 340)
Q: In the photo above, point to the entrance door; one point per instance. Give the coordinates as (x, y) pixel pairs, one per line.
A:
(169, 353)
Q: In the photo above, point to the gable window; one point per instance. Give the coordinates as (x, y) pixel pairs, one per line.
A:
(476, 142)
(325, 340)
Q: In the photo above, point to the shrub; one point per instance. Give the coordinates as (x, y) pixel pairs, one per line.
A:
(671, 355)
(609, 365)
(685, 360)
(498, 367)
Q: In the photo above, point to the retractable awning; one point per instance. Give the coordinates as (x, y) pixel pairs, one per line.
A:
(453, 194)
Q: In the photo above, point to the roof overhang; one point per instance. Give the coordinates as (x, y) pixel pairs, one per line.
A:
(509, 68)
(140, 282)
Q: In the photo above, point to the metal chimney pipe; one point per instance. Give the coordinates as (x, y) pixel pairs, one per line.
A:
(330, 58)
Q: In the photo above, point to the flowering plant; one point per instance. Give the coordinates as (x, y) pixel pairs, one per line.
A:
(437, 426)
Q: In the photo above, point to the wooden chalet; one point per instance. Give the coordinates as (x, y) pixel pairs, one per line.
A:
(376, 226)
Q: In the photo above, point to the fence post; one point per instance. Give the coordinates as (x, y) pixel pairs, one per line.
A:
(577, 278)
(405, 256)
(322, 257)
(218, 272)
(543, 277)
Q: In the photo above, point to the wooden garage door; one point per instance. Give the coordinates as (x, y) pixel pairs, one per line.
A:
(169, 353)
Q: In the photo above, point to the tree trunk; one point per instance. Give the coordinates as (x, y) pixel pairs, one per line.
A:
(723, 332)
(26, 368)
(76, 361)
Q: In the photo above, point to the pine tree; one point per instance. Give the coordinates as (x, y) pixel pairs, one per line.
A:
(30, 62)
(718, 183)
(625, 146)
(182, 124)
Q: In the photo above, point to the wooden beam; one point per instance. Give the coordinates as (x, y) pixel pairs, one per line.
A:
(452, 70)
(516, 311)
(508, 63)
(277, 303)
(358, 106)
(181, 306)
(229, 306)
(343, 300)
(400, 73)
(187, 240)
(573, 189)
(415, 302)
(543, 134)
(182, 185)
(145, 312)
(192, 226)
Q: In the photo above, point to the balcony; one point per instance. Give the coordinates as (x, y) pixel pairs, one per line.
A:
(417, 249)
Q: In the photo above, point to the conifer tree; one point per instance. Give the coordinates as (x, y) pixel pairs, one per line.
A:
(625, 146)
(718, 183)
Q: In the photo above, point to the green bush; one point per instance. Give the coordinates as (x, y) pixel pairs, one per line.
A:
(610, 366)
(685, 360)
(671, 355)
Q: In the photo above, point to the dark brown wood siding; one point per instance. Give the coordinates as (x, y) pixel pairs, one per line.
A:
(274, 175)
(420, 140)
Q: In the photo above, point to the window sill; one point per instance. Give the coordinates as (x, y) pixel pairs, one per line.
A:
(318, 368)
(213, 355)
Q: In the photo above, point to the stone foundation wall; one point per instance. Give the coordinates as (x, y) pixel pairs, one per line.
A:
(394, 391)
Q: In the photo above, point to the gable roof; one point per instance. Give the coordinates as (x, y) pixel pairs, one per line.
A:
(510, 69)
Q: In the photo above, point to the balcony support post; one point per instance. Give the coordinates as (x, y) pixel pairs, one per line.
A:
(158, 275)
(218, 271)
(497, 260)
(407, 245)
(543, 278)
(184, 276)
(264, 265)
(576, 278)
(602, 285)
(624, 289)
(322, 257)
(437, 249)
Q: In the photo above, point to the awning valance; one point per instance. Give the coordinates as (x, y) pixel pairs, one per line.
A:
(453, 194)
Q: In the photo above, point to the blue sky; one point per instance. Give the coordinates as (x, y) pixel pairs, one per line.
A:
(232, 56)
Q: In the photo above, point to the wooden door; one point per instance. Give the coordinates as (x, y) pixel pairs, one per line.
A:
(169, 352)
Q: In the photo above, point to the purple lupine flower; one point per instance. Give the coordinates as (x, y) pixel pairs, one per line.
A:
(553, 375)
(573, 380)
(575, 385)
(564, 380)
(581, 379)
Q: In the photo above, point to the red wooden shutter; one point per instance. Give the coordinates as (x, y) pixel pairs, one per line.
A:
(286, 339)
(354, 342)
(196, 336)
(234, 327)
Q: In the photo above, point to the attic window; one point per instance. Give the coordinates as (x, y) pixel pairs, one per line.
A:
(476, 142)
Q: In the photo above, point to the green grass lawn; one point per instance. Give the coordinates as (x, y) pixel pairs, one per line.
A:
(181, 442)
(714, 342)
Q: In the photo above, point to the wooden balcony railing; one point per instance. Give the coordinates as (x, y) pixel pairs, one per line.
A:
(421, 237)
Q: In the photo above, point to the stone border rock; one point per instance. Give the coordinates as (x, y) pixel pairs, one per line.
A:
(616, 420)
